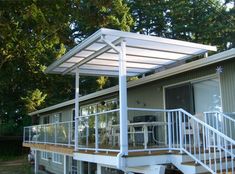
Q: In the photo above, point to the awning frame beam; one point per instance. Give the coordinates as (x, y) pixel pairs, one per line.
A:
(92, 56)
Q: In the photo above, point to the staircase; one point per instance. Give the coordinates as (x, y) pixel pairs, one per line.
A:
(205, 150)
(216, 160)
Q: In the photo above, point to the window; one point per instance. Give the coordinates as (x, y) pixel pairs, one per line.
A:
(45, 120)
(105, 105)
(74, 166)
(45, 155)
(57, 118)
(57, 158)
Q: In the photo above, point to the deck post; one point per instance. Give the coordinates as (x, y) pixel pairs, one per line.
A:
(76, 107)
(123, 100)
(99, 169)
(69, 134)
(169, 131)
(96, 134)
(180, 132)
(35, 161)
(65, 165)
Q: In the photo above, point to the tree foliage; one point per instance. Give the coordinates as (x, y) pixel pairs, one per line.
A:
(201, 21)
(35, 33)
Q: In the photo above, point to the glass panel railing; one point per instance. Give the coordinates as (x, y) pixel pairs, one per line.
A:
(99, 131)
(61, 133)
(147, 129)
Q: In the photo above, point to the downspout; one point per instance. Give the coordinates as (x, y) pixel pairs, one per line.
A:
(121, 162)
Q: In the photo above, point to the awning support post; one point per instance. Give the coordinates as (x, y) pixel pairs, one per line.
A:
(123, 100)
(76, 107)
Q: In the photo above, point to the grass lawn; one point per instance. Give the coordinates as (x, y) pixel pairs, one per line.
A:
(15, 165)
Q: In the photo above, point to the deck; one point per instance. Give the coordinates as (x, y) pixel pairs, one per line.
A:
(52, 148)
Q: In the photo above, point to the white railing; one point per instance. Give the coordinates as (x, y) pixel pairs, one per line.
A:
(61, 133)
(148, 130)
(206, 145)
(101, 131)
(221, 122)
(95, 131)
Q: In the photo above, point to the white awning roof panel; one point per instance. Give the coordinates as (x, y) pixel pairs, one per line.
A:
(143, 53)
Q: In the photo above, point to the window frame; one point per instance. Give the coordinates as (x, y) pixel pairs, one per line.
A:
(45, 155)
(57, 158)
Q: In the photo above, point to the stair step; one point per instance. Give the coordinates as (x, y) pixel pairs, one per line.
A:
(192, 163)
(207, 150)
(223, 171)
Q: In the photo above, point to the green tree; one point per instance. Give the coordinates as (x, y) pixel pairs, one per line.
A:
(35, 33)
(149, 16)
(202, 21)
(28, 43)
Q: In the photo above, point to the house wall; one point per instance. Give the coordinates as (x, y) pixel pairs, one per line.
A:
(50, 165)
(228, 85)
(151, 95)
(66, 115)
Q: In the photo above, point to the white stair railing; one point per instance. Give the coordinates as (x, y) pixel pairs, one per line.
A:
(221, 122)
(206, 145)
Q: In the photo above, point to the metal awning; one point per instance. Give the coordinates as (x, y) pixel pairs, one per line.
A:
(99, 54)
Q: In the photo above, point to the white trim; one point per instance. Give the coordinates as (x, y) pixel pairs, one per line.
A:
(123, 34)
(60, 105)
(163, 74)
(77, 100)
(59, 157)
(65, 165)
(35, 161)
(123, 100)
(220, 90)
(195, 80)
(44, 155)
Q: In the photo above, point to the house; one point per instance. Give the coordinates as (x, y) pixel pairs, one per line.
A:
(180, 116)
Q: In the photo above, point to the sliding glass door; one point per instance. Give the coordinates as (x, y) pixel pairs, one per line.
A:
(195, 97)
(207, 96)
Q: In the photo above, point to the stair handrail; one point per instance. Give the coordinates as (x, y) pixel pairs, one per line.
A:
(221, 144)
(210, 127)
(226, 125)
(223, 114)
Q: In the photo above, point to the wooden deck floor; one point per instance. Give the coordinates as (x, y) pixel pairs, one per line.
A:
(70, 150)
(130, 154)
(50, 147)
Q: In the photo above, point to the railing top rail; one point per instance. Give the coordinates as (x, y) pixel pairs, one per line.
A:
(99, 113)
(153, 110)
(218, 112)
(208, 126)
(100, 149)
(48, 124)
